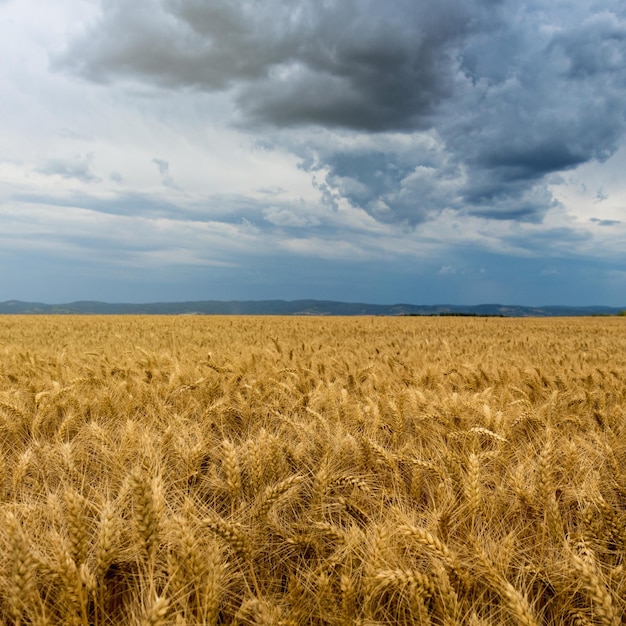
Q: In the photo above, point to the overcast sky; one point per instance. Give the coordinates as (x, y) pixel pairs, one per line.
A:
(419, 151)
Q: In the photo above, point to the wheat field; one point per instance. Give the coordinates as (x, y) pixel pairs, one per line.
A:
(328, 471)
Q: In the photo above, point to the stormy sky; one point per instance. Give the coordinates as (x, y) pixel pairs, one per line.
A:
(421, 151)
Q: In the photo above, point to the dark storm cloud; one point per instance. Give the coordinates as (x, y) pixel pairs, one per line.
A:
(363, 66)
(356, 64)
(542, 95)
(514, 91)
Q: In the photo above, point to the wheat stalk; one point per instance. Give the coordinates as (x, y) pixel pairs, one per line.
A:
(232, 470)
(473, 485)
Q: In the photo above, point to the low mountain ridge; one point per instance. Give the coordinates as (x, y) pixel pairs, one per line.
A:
(294, 307)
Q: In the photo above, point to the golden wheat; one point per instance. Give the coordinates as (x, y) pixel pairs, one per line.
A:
(324, 471)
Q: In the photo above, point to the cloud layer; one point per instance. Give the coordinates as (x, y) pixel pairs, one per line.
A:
(420, 150)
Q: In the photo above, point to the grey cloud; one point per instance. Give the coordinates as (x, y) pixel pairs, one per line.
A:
(367, 178)
(131, 204)
(75, 167)
(600, 222)
(522, 202)
(164, 171)
(515, 91)
(549, 241)
(270, 191)
(530, 159)
(223, 208)
(596, 46)
(393, 186)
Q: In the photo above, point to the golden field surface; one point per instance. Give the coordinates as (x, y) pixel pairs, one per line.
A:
(336, 471)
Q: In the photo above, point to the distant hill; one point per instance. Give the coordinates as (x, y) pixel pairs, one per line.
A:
(295, 307)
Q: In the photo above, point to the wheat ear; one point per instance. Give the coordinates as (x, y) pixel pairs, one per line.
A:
(146, 514)
(155, 616)
(488, 433)
(321, 481)
(545, 486)
(213, 584)
(233, 534)
(275, 492)
(23, 569)
(578, 618)
(77, 582)
(515, 601)
(76, 525)
(19, 423)
(446, 595)
(416, 585)
(437, 547)
(404, 578)
(348, 595)
(600, 596)
(3, 475)
(613, 523)
(204, 570)
(106, 540)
